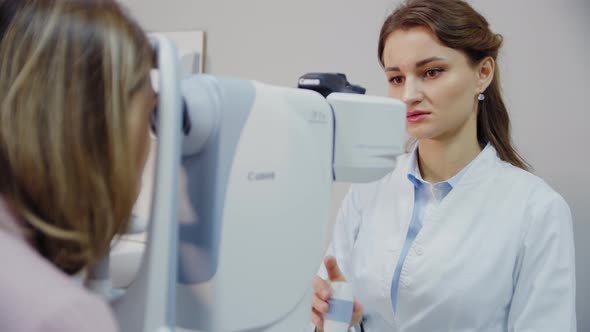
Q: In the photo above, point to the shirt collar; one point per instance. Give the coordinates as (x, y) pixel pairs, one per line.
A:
(416, 178)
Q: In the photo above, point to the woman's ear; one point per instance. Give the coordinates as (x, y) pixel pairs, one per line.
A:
(485, 73)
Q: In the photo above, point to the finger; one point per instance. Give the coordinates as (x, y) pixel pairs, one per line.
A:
(320, 305)
(317, 319)
(334, 273)
(357, 307)
(357, 312)
(321, 288)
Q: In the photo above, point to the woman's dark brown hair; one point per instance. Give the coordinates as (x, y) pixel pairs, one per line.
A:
(458, 26)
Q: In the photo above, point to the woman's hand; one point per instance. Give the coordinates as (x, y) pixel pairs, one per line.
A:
(322, 294)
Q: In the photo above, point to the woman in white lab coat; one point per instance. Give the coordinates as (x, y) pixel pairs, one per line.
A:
(460, 236)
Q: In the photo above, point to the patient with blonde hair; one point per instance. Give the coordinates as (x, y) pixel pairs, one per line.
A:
(75, 105)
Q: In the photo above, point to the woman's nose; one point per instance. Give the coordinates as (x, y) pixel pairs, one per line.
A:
(412, 93)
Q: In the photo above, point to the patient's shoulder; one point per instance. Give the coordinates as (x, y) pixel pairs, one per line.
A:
(82, 313)
(37, 296)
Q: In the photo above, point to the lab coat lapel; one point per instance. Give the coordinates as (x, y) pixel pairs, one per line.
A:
(399, 199)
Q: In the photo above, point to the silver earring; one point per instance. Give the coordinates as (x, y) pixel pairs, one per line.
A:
(481, 97)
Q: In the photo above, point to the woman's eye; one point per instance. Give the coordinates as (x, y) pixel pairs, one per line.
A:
(396, 80)
(432, 73)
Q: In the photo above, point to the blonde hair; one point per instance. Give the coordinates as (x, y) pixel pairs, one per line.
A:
(68, 71)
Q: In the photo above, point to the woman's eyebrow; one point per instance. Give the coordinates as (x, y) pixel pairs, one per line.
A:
(418, 64)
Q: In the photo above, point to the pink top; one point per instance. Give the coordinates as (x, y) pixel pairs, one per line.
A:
(36, 296)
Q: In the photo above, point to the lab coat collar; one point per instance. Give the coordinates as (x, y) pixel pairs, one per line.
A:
(483, 158)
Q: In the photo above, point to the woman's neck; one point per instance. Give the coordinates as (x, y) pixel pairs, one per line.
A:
(10, 220)
(441, 160)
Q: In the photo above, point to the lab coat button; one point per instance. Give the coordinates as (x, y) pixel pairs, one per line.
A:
(419, 251)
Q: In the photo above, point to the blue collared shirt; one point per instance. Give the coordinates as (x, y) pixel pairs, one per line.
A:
(426, 197)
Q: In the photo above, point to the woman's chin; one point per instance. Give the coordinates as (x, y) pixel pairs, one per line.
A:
(420, 134)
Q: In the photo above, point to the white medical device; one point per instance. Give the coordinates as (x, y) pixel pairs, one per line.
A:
(241, 205)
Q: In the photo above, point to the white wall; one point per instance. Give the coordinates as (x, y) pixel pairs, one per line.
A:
(545, 67)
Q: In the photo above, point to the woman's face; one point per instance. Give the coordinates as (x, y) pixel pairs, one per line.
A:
(143, 103)
(437, 84)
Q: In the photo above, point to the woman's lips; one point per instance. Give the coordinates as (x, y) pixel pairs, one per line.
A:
(417, 116)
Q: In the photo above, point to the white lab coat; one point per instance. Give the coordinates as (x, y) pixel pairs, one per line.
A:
(496, 255)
